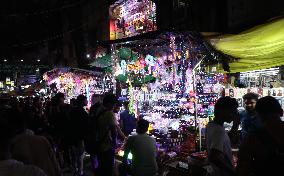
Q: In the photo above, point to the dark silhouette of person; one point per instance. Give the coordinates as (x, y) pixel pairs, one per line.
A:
(217, 140)
(262, 151)
(127, 120)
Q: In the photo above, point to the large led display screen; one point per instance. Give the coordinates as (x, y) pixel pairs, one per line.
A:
(132, 17)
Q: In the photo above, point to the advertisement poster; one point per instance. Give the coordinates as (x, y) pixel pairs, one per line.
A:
(129, 18)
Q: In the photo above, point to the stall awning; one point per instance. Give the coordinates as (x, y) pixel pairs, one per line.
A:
(258, 48)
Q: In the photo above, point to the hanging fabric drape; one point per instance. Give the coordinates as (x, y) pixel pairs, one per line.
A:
(258, 48)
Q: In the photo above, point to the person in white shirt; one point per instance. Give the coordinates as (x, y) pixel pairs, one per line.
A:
(143, 149)
(9, 166)
(217, 140)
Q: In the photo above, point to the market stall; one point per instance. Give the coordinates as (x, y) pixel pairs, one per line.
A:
(265, 82)
(73, 82)
(260, 58)
(168, 82)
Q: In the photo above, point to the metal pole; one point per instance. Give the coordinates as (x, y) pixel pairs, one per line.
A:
(114, 62)
(196, 99)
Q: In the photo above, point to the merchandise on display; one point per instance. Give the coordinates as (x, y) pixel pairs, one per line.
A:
(73, 82)
(163, 86)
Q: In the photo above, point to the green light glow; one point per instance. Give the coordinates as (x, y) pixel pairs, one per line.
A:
(258, 48)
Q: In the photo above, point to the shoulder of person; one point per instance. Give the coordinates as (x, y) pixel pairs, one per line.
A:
(215, 127)
(108, 113)
(130, 138)
(252, 139)
(33, 171)
(40, 140)
(26, 170)
(153, 139)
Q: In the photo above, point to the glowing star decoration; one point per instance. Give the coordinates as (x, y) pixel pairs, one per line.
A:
(123, 66)
(144, 89)
(150, 61)
(119, 70)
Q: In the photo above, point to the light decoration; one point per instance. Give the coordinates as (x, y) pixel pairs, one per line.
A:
(258, 48)
(121, 154)
(132, 17)
(131, 99)
(169, 102)
(73, 82)
(208, 89)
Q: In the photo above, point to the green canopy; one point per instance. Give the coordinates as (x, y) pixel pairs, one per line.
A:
(258, 48)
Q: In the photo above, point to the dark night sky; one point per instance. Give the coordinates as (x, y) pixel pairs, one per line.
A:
(24, 22)
(29, 21)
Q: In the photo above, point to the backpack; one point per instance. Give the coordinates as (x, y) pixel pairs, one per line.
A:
(92, 140)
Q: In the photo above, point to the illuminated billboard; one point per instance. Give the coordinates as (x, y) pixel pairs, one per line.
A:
(132, 17)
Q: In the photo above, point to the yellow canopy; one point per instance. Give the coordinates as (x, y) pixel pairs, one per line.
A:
(258, 48)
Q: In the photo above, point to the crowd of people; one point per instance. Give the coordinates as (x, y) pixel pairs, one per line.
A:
(48, 136)
(45, 137)
(261, 146)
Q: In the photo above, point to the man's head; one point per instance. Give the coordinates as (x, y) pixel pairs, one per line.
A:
(59, 98)
(126, 105)
(82, 101)
(96, 99)
(117, 107)
(226, 109)
(142, 126)
(268, 109)
(250, 100)
(110, 101)
(73, 102)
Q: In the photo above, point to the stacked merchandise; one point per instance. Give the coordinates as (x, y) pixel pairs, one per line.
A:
(209, 88)
(171, 140)
(265, 82)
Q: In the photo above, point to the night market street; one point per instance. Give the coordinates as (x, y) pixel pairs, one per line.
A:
(141, 88)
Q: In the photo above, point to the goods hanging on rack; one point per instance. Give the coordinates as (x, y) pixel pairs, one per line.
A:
(264, 82)
(73, 82)
(157, 77)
